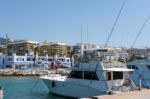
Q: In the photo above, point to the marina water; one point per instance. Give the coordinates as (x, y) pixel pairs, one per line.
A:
(26, 88)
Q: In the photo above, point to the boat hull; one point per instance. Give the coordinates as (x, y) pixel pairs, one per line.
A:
(71, 89)
(145, 81)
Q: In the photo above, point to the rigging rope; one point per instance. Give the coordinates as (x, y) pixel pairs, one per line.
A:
(140, 31)
(114, 23)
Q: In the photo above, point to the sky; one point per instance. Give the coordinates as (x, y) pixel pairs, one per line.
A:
(61, 21)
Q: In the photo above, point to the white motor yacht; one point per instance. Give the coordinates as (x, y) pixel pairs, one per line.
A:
(91, 78)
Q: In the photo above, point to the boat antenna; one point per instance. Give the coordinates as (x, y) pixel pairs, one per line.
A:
(140, 31)
(81, 42)
(112, 29)
(87, 33)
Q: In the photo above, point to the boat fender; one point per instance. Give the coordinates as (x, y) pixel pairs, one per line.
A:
(53, 84)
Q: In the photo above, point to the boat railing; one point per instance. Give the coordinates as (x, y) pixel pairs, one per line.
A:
(113, 64)
(62, 72)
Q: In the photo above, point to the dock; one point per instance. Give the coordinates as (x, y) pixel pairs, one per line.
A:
(142, 94)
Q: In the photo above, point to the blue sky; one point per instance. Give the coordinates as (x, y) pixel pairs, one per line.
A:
(60, 21)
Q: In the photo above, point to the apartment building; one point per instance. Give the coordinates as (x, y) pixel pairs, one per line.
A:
(21, 47)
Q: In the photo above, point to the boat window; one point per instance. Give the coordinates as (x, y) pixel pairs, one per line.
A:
(28, 59)
(76, 74)
(148, 66)
(9, 59)
(108, 75)
(77, 65)
(117, 75)
(136, 68)
(68, 60)
(50, 59)
(89, 75)
(133, 66)
(61, 59)
(129, 66)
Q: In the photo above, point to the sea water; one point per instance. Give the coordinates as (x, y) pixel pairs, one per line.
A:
(26, 88)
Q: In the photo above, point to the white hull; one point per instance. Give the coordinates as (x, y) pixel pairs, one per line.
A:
(71, 89)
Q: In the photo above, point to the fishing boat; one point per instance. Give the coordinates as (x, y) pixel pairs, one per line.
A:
(141, 71)
(91, 77)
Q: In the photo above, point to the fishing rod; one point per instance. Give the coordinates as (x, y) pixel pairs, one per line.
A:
(140, 31)
(111, 31)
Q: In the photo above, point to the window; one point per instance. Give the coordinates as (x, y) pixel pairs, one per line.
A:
(28, 59)
(108, 75)
(136, 68)
(133, 66)
(148, 66)
(76, 74)
(33, 59)
(89, 75)
(117, 75)
(61, 60)
(50, 59)
(129, 66)
(68, 60)
(9, 59)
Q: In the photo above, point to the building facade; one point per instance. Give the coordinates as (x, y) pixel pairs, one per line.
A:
(30, 61)
(3, 49)
(21, 47)
(53, 49)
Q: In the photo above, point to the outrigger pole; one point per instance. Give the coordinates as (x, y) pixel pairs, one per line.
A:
(111, 31)
(140, 31)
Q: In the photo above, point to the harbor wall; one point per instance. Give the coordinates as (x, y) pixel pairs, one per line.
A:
(12, 72)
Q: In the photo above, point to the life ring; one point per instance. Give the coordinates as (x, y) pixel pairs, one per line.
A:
(53, 84)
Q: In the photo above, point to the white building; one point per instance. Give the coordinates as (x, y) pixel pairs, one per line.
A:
(16, 61)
